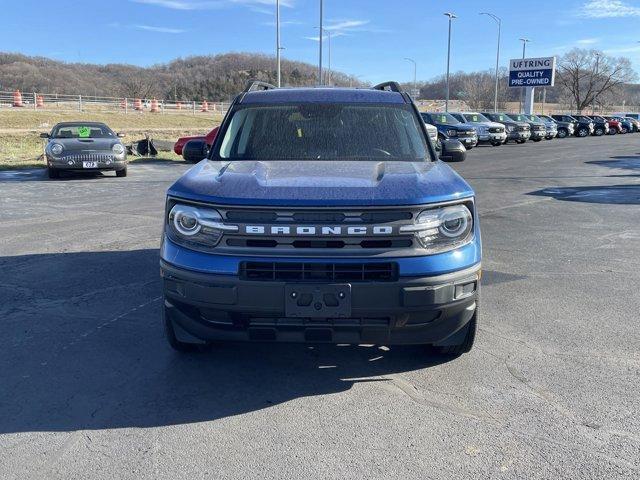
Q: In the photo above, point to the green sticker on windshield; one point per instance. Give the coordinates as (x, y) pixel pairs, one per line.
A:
(474, 118)
(84, 132)
(443, 119)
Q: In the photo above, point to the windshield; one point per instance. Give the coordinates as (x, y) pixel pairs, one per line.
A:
(535, 118)
(518, 117)
(497, 117)
(80, 130)
(475, 118)
(312, 131)
(443, 118)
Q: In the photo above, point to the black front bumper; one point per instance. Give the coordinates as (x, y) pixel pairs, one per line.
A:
(77, 166)
(424, 310)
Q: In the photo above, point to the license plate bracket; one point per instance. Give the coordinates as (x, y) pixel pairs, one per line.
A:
(318, 300)
(88, 164)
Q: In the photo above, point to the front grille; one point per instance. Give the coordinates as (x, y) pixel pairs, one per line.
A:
(337, 221)
(538, 128)
(522, 128)
(496, 129)
(89, 157)
(319, 272)
(466, 133)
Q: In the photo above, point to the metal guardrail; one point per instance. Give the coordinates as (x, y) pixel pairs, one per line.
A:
(91, 103)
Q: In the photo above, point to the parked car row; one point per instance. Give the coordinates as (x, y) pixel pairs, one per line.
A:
(494, 128)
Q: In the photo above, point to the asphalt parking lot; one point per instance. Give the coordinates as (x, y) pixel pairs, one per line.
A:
(89, 388)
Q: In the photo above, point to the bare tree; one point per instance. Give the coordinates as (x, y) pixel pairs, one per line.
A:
(586, 75)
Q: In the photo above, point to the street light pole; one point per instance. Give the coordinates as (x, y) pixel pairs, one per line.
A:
(415, 70)
(320, 42)
(451, 17)
(329, 65)
(499, 22)
(327, 74)
(595, 95)
(278, 40)
(524, 51)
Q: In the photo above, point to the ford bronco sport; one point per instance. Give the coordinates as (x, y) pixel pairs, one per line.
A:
(321, 215)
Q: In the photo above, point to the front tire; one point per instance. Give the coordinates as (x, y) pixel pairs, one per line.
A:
(583, 132)
(624, 130)
(53, 173)
(496, 144)
(122, 172)
(598, 132)
(520, 141)
(537, 139)
(613, 131)
(563, 133)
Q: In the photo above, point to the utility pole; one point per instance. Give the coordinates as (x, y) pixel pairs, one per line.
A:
(524, 51)
(320, 42)
(499, 22)
(278, 40)
(415, 69)
(451, 17)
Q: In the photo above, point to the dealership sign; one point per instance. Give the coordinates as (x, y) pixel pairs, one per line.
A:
(532, 72)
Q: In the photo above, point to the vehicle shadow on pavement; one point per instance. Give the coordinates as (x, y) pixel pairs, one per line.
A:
(604, 194)
(631, 163)
(83, 348)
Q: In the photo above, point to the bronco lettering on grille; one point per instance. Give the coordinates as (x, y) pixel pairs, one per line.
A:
(318, 230)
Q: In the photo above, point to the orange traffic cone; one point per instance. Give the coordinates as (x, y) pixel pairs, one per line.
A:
(154, 106)
(137, 104)
(123, 104)
(178, 106)
(39, 101)
(205, 106)
(17, 98)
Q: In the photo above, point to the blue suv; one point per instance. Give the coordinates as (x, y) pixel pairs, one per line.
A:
(321, 215)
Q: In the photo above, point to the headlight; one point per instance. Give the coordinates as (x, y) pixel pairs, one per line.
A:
(117, 148)
(56, 149)
(196, 227)
(452, 133)
(442, 229)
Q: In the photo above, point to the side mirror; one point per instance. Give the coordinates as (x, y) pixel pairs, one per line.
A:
(120, 134)
(195, 150)
(452, 151)
(44, 135)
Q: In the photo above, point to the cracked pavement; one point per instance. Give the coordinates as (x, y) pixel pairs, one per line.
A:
(89, 388)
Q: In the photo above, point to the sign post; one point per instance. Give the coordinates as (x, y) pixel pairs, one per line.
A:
(531, 73)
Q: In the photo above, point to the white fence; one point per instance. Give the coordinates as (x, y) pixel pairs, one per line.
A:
(89, 103)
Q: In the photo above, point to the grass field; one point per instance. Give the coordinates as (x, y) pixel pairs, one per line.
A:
(21, 147)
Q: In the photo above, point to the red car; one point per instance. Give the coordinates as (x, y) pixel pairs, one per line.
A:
(209, 138)
(614, 125)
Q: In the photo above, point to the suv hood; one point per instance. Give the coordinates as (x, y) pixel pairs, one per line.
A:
(488, 124)
(465, 127)
(320, 183)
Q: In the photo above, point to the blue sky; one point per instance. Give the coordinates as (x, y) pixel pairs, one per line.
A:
(370, 37)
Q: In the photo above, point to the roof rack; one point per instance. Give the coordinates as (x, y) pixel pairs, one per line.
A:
(392, 86)
(257, 85)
